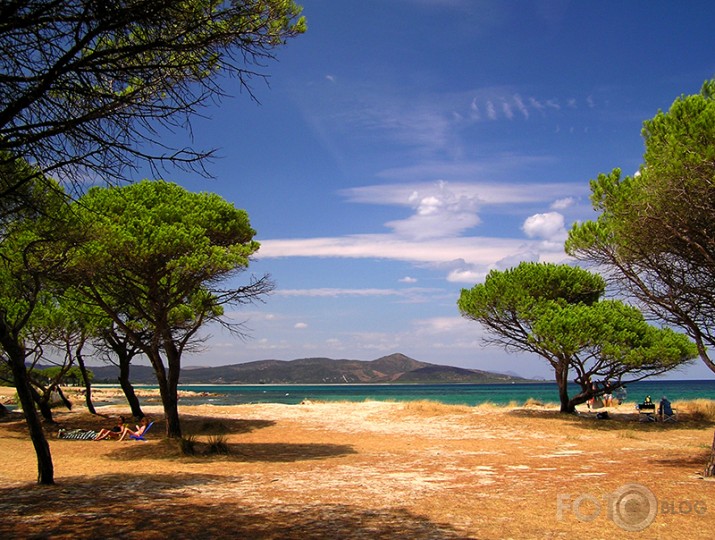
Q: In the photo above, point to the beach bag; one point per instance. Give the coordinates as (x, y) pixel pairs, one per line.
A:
(77, 434)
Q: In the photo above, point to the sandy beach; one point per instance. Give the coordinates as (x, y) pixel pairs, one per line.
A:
(366, 470)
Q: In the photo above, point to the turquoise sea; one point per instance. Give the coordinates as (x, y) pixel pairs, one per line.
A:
(469, 394)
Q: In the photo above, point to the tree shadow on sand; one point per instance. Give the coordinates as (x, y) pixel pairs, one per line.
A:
(617, 420)
(191, 506)
(239, 452)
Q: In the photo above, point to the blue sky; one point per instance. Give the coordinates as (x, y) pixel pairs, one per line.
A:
(404, 148)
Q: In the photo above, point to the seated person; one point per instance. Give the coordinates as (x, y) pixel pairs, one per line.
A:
(114, 433)
(141, 428)
(665, 408)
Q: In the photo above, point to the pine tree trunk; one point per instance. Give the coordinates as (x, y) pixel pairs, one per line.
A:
(127, 388)
(45, 468)
(43, 403)
(173, 424)
(87, 384)
(169, 395)
(129, 393)
(561, 370)
(710, 467)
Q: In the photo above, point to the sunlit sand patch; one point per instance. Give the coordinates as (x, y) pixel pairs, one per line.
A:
(518, 467)
(562, 453)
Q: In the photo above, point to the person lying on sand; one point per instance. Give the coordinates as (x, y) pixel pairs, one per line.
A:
(114, 433)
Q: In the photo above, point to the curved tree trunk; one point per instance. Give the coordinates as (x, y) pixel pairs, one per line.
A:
(42, 402)
(45, 468)
(64, 398)
(127, 388)
(87, 384)
(169, 395)
(125, 351)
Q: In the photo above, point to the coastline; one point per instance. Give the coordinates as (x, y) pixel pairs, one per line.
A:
(371, 469)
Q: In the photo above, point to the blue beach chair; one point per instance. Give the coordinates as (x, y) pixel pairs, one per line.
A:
(140, 437)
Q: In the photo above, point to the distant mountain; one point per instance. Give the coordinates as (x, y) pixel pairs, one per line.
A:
(395, 368)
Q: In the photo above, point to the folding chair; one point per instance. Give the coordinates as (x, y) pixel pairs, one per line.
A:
(667, 413)
(140, 436)
(646, 413)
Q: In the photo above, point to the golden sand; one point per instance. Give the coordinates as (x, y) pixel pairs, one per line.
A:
(366, 470)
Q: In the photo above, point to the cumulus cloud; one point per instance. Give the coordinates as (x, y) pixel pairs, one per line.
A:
(300, 325)
(438, 212)
(408, 279)
(548, 226)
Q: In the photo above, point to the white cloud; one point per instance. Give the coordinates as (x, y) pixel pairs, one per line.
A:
(484, 193)
(333, 292)
(548, 226)
(491, 111)
(507, 110)
(536, 104)
(521, 106)
(300, 325)
(413, 295)
(475, 114)
(408, 279)
(474, 250)
(434, 234)
(438, 212)
(563, 204)
(466, 276)
(439, 325)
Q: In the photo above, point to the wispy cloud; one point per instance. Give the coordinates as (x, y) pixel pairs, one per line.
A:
(427, 121)
(435, 232)
(406, 295)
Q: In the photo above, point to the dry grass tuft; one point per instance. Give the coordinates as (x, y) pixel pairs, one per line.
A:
(425, 407)
(531, 402)
(699, 410)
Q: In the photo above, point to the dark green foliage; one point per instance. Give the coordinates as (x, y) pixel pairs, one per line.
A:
(554, 311)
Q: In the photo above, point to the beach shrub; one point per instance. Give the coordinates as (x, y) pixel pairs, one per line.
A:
(217, 444)
(188, 445)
